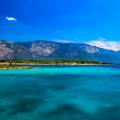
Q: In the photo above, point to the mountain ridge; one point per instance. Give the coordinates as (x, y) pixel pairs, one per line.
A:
(43, 49)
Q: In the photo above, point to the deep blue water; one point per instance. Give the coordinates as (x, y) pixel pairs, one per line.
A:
(60, 93)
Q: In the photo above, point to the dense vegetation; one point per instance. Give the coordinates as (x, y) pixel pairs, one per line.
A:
(10, 62)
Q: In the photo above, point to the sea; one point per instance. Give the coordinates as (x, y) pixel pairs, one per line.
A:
(60, 93)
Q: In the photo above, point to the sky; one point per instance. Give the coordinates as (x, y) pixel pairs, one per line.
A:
(60, 20)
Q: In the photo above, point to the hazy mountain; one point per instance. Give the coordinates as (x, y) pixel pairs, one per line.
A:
(41, 49)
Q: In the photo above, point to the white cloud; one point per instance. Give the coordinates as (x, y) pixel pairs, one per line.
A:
(106, 44)
(10, 18)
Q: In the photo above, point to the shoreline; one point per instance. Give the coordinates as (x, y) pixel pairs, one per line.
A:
(61, 64)
(4, 66)
(13, 67)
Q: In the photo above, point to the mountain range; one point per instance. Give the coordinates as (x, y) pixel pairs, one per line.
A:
(48, 50)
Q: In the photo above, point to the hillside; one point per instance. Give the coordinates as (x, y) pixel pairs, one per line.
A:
(47, 50)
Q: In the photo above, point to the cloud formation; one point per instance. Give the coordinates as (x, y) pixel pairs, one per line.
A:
(10, 18)
(106, 44)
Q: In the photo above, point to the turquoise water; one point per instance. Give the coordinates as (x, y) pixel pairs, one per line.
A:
(60, 93)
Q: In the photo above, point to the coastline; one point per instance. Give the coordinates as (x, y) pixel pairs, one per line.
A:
(4, 66)
(12, 67)
(65, 64)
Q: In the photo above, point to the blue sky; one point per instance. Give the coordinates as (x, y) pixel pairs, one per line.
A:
(72, 20)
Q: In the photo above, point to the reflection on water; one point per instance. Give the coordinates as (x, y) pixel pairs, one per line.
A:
(67, 94)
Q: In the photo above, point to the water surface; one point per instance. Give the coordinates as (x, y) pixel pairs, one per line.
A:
(60, 93)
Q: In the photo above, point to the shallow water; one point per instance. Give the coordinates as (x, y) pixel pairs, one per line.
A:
(60, 93)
